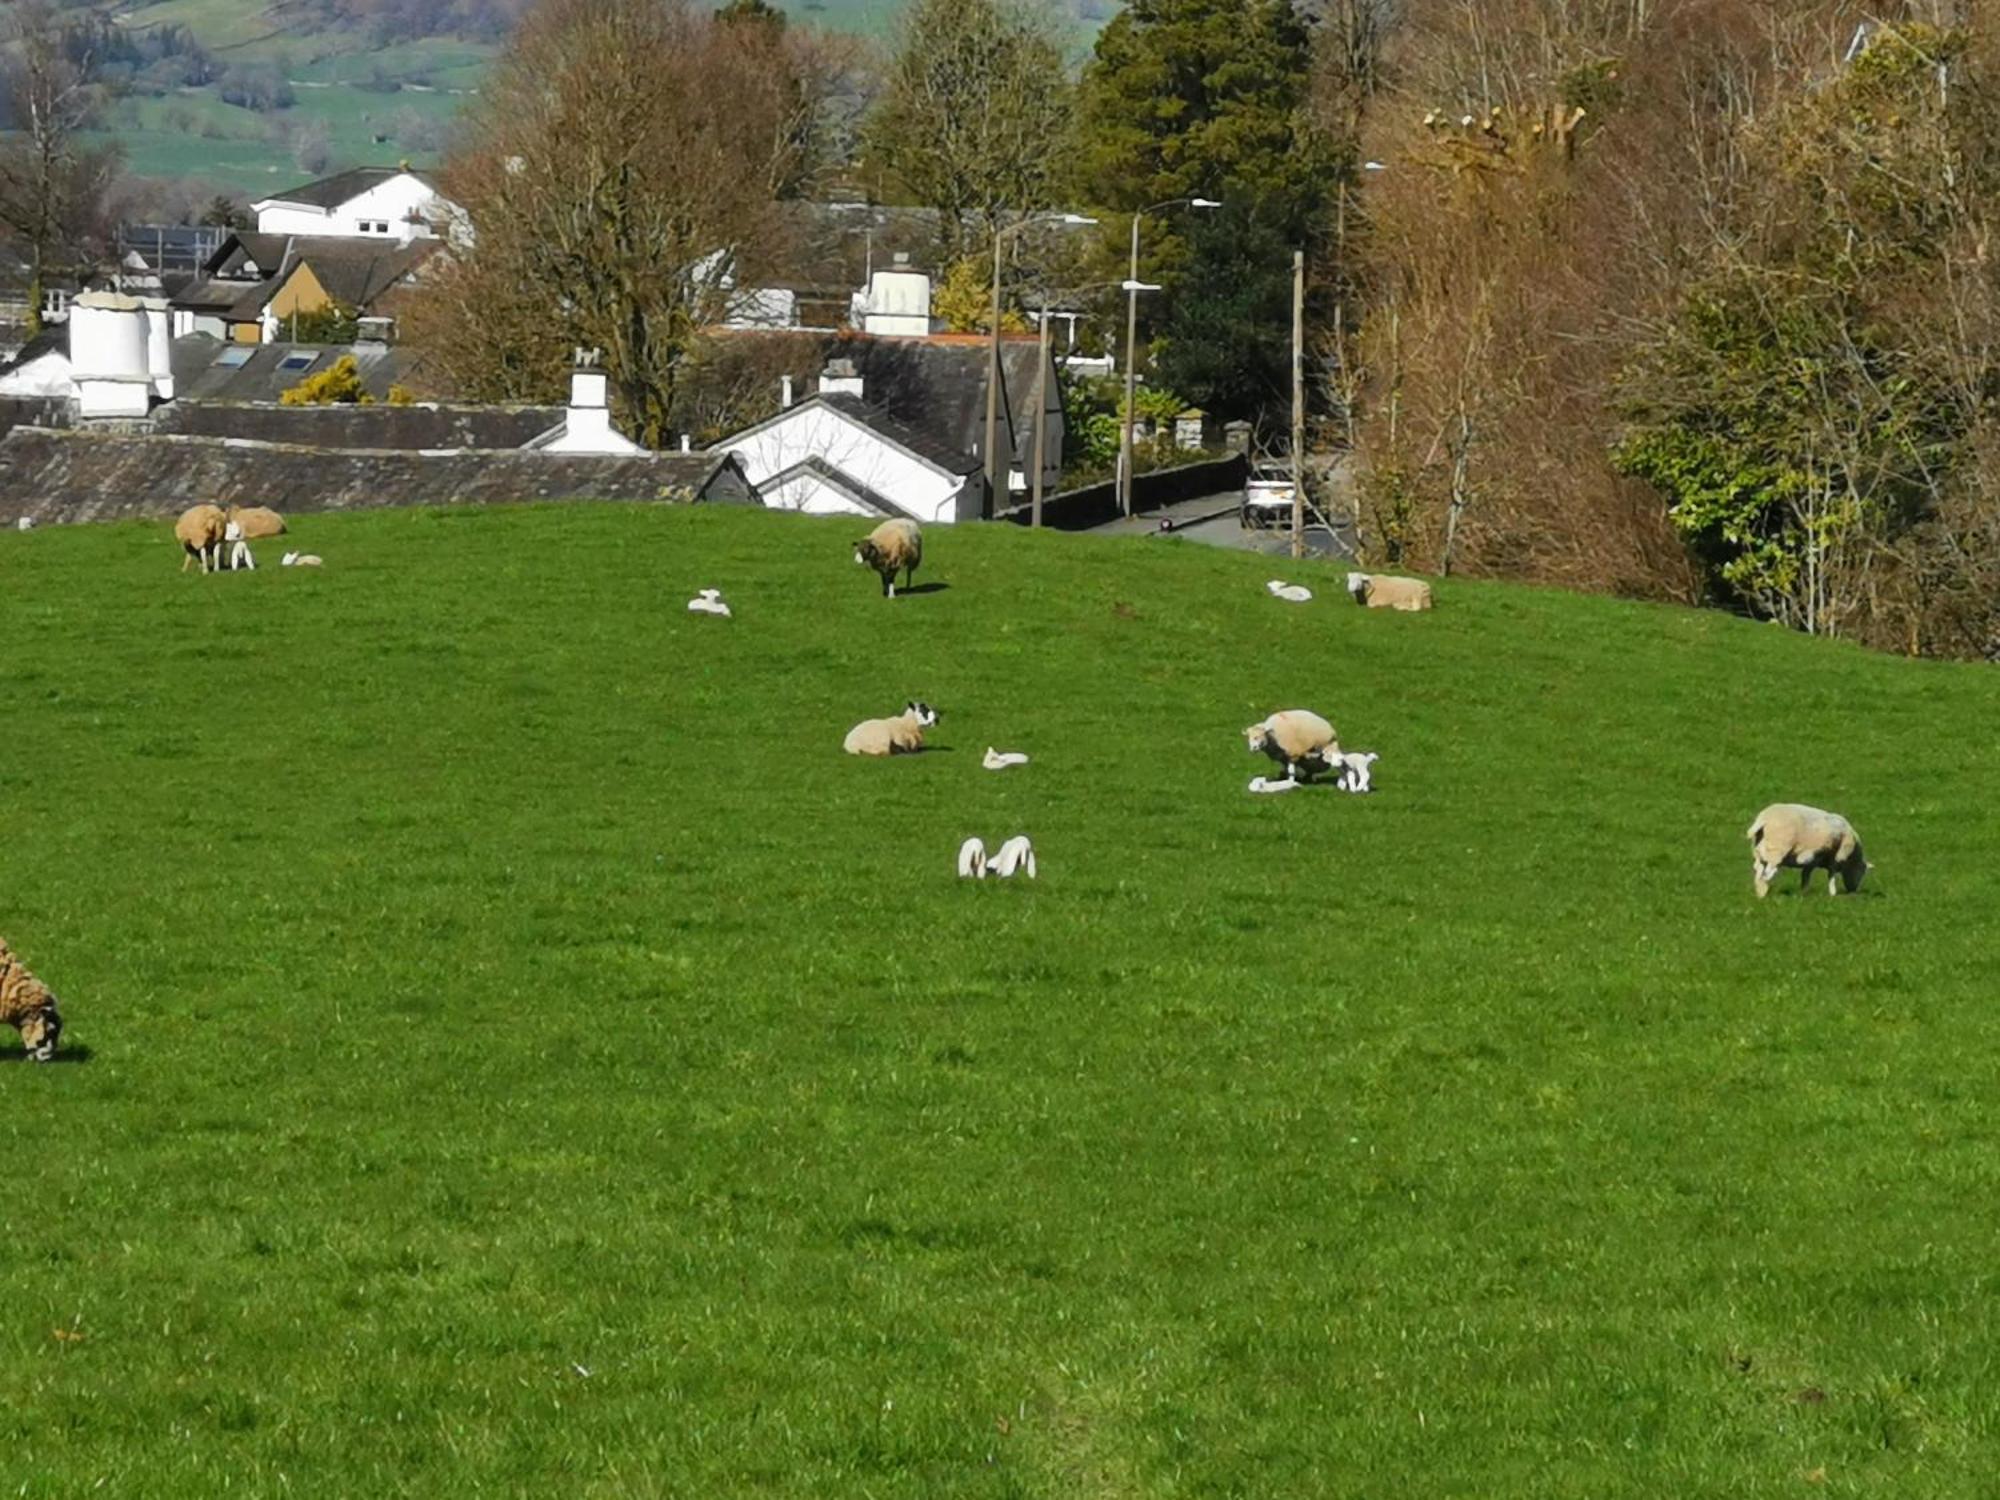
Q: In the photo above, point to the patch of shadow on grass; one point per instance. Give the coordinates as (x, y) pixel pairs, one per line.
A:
(922, 588)
(76, 1054)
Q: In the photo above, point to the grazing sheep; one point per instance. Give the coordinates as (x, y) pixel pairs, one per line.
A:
(239, 550)
(902, 735)
(27, 1005)
(972, 859)
(259, 522)
(199, 531)
(708, 602)
(894, 545)
(1380, 591)
(1291, 593)
(299, 560)
(1806, 838)
(1266, 784)
(1014, 855)
(1297, 739)
(999, 760)
(1354, 773)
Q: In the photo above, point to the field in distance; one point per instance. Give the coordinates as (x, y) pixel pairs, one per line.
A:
(511, 1047)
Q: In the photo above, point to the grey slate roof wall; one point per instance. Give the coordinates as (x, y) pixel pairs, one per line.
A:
(331, 192)
(198, 375)
(379, 426)
(80, 476)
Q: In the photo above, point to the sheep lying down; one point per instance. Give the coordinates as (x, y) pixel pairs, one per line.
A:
(901, 735)
(1792, 835)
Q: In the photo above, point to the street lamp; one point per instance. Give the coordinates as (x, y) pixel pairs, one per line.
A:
(994, 473)
(1132, 286)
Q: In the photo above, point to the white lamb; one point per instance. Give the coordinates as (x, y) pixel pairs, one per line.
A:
(999, 760)
(1294, 593)
(299, 560)
(972, 859)
(239, 549)
(708, 602)
(1353, 774)
(1016, 854)
(1270, 784)
(26, 523)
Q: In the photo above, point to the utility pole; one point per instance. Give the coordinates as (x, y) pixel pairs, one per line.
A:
(1041, 417)
(1131, 371)
(1298, 403)
(993, 466)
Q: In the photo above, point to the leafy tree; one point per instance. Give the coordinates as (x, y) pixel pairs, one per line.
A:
(963, 300)
(1210, 98)
(971, 116)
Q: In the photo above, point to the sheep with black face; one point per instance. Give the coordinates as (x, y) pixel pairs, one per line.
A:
(27, 1005)
(894, 546)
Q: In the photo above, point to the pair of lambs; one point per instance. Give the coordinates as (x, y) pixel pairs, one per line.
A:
(1015, 856)
(27, 1005)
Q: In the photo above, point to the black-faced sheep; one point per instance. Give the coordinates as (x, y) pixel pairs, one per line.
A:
(1297, 739)
(895, 545)
(1792, 835)
(27, 1005)
(1380, 591)
(199, 531)
(902, 735)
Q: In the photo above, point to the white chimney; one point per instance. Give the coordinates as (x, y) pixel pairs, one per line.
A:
(784, 393)
(159, 346)
(899, 303)
(587, 424)
(110, 357)
(840, 378)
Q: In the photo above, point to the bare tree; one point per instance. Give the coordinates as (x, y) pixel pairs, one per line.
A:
(51, 184)
(621, 174)
(971, 112)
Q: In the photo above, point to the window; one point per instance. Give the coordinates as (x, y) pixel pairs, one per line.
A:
(235, 357)
(55, 302)
(300, 360)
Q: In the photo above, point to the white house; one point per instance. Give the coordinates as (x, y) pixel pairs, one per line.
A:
(586, 425)
(833, 454)
(386, 203)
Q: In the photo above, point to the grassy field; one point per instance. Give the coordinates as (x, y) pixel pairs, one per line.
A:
(512, 1051)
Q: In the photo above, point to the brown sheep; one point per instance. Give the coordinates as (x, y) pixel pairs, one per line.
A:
(1381, 591)
(1297, 739)
(902, 735)
(894, 545)
(257, 521)
(28, 1007)
(199, 531)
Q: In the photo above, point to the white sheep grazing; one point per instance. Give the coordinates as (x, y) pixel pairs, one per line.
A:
(1016, 854)
(1381, 591)
(972, 859)
(1792, 835)
(1293, 593)
(708, 602)
(239, 550)
(999, 760)
(1266, 784)
(1297, 739)
(1354, 773)
(902, 735)
(299, 560)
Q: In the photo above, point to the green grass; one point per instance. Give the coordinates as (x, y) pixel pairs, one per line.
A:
(478, 968)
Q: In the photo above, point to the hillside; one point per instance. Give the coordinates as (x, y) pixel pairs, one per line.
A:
(513, 1047)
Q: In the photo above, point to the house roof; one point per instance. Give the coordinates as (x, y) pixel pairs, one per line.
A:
(356, 272)
(207, 369)
(224, 297)
(88, 476)
(331, 192)
(425, 425)
(922, 442)
(841, 480)
(352, 271)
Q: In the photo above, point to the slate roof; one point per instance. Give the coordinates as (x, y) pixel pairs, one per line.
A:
(234, 301)
(426, 425)
(924, 443)
(199, 374)
(356, 272)
(331, 192)
(56, 476)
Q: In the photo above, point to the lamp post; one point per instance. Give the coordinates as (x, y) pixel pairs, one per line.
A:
(995, 474)
(1134, 286)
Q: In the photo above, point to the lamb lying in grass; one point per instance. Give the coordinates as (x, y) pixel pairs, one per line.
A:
(708, 602)
(1267, 784)
(27, 1005)
(1792, 835)
(1291, 593)
(999, 760)
(299, 560)
(902, 735)
(1298, 739)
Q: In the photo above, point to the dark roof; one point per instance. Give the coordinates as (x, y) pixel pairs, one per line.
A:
(356, 272)
(53, 339)
(234, 301)
(920, 441)
(353, 271)
(331, 192)
(200, 375)
(426, 425)
(86, 476)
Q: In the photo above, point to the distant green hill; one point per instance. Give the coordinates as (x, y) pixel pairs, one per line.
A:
(518, 1053)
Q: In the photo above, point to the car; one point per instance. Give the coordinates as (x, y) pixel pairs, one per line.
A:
(1267, 498)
